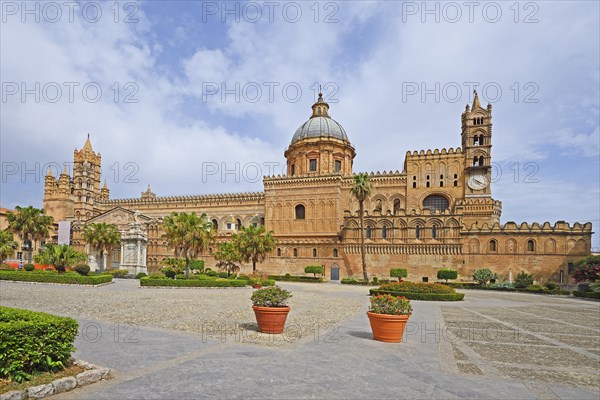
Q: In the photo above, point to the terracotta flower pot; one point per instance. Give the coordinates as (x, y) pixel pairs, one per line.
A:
(271, 319)
(387, 328)
(256, 286)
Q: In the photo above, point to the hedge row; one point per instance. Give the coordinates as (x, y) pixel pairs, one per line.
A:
(34, 342)
(422, 296)
(291, 278)
(587, 295)
(508, 289)
(49, 277)
(192, 282)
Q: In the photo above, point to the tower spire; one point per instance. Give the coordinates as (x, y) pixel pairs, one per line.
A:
(475, 100)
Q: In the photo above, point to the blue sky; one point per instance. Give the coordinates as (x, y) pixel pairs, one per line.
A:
(378, 58)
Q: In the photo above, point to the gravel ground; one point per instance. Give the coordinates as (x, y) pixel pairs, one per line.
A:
(215, 313)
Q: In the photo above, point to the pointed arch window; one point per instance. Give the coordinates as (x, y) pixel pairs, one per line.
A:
(531, 245)
(335, 252)
(433, 232)
(215, 224)
(493, 246)
(384, 232)
(278, 252)
(418, 232)
(314, 253)
(368, 232)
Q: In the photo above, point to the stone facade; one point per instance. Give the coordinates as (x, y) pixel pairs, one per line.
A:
(437, 212)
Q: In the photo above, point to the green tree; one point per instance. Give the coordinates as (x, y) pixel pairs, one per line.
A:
(447, 274)
(314, 269)
(102, 237)
(587, 269)
(361, 189)
(7, 244)
(30, 224)
(254, 244)
(188, 234)
(60, 256)
(228, 257)
(484, 275)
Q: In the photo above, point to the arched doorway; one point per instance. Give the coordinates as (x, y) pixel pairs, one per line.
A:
(334, 273)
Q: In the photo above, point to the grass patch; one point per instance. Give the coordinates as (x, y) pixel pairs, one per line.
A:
(72, 278)
(42, 378)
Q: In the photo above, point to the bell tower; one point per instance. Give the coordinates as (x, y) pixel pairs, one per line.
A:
(477, 147)
(86, 181)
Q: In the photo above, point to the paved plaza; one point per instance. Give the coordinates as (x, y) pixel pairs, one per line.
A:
(202, 343)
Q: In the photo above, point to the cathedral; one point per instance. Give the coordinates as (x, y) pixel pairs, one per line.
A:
(437, 212)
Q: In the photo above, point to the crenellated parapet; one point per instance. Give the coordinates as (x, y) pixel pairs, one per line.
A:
(200, 200)
(433, 154)
(512, 228)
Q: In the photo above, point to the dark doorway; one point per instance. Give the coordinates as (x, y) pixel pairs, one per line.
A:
(335, 273)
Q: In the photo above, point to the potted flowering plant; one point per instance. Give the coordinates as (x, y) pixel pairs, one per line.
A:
(258, 279)
(270, 309)
(388, 316)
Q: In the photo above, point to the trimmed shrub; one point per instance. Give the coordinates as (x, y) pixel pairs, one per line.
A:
(417, 287)
(398, 273)
(290, 278)
(140, 275)
(169, 273)
(29, 267)
(314, 269)
(192, 282)
(422, 296)
(447, 274)
(523, 280)
(210, 272)
(536, 289)
(82, 270)
(463, 285)
(54, 277)
(551, 285)
(587, 295)
(222, 275)
(484, 275)
(354, 281)
(34, 342)
(419, 291)
(156, 275)
(118, 273)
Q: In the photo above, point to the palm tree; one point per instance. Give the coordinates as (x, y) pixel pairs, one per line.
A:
(254, 244)
(102, 237)
(188, 234)
(60, 256)
(228, 257)
(361, 189)
(7, 244)
(31, 224)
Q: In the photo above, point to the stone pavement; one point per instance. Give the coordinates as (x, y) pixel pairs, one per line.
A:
(491, 346)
